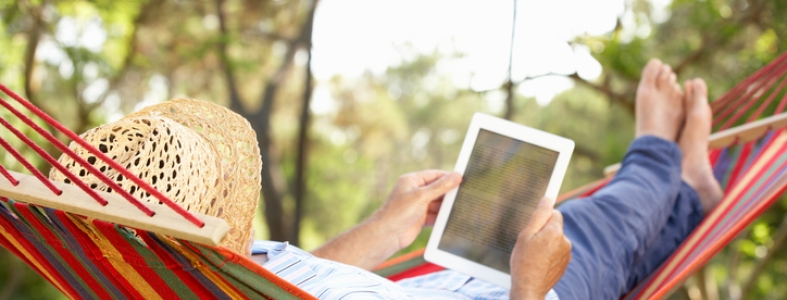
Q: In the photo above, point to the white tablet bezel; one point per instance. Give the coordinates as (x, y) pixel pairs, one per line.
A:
(562, 145)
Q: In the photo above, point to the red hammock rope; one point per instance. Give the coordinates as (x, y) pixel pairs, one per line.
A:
(746, 94)
(8, 175)
(739, 89)
(92, 150)
(29, 167)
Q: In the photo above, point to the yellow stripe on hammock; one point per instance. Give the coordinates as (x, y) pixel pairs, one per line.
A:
(32, 259)
(205, 270)
(110, 254)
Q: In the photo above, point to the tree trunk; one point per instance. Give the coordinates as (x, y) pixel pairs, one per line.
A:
(274, 185)
(303, 135)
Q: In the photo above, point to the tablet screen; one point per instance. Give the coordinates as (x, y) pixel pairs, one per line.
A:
(504, 181)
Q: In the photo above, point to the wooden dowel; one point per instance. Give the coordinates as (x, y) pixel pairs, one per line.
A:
(741, 134)
(118, 211)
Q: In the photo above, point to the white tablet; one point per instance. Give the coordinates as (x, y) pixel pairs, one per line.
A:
(507, 168)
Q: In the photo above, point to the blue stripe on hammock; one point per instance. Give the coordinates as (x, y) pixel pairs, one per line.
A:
(76, 249)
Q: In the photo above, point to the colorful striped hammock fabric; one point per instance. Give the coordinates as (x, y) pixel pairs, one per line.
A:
(92, 259)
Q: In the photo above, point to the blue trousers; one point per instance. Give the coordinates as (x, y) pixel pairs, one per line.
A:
(625, 230)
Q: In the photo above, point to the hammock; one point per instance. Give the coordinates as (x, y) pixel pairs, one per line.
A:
(122, 249)
(91, 244)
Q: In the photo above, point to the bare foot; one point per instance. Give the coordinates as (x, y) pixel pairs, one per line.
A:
(659, 109)
(697, 171)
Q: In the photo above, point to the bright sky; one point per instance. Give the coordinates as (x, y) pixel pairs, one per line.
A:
(353, 36)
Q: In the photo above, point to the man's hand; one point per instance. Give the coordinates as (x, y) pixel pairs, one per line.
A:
(413, 204)
(541, 254)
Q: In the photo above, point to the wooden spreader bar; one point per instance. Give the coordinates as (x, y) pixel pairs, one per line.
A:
(74, 200)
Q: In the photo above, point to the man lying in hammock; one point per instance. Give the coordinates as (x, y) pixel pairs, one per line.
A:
(619, 235)
(595, 248)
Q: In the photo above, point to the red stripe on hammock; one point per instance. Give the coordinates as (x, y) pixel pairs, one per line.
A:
(97, 256)
(422, 269)
(132, 258)
(713, 156)
(38, 257)
(262, 272)
(215, 269)
(64, 254)
(739, 163)
(727, 210)
(176, 267)
(708, 253)
(597, 187)
(10, 247)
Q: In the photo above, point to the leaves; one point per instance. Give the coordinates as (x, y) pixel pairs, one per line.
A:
(375, 127)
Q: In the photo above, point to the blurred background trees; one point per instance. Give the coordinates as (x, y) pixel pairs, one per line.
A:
(327, 165)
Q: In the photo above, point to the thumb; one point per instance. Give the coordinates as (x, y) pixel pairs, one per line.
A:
(439, 187)
(540, 217)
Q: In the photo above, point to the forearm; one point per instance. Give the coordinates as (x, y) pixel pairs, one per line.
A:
(366, 245)
(412, 204)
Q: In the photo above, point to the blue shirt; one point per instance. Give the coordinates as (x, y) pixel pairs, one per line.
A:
(327, 279)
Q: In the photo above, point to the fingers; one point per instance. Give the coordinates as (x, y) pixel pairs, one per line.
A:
(438, 188)
(554, 226)
(431, 213)
(540, 217)
(434, 206)
(425, 177)
(552, 233)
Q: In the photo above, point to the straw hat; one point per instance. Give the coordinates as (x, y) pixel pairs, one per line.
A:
(201, 155)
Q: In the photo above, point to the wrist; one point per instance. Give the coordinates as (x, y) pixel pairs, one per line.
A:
(525, 294)
(382, 228)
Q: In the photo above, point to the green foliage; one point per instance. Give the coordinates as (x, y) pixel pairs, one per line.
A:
(21, 282)
(381, 126)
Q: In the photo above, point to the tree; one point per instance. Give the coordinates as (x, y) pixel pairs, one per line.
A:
(326, 170)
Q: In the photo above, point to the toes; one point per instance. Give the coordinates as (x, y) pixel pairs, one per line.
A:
(665, 75)
(701, 90)
(674, 87)
(696, 94)
(688, 89)
(651, 72)
(697, 108)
